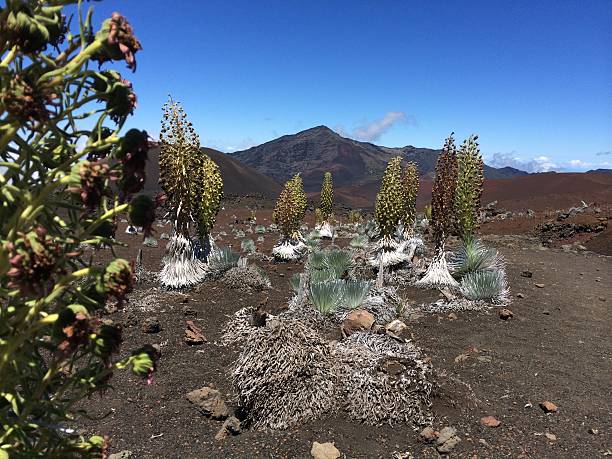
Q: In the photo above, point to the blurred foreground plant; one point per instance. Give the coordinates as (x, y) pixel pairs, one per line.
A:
(65, 174)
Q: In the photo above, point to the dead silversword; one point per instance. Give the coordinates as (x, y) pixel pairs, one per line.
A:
(443, 220)
(61, 147)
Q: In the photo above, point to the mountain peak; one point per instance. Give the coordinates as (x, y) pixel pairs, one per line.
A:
(314, 151)
(317, 130)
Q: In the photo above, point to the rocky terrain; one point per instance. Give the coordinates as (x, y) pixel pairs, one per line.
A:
(529, 381)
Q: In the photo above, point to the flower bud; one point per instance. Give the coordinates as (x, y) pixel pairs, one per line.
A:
(118, 42)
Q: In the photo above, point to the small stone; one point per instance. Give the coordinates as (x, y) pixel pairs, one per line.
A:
(231, 426)
(324, 451)
(548, 407)
(461, 358)
(397, 329)
(125, 454)
(594, 431)
(151, 325)
(446, 434)
(505, 314)
(448, 294)
(189, 311)
(527, 273)
(193, 334)
(520, 295)
(490, 421)
(452, 316)
(484, 358)
(209, 401)
(449, 445)
(539, 285)
(428, 434)
(601, 298)
(357, 320)
(551, 437)
(483, 442)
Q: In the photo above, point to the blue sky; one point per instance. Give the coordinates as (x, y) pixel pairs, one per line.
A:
(532, 78)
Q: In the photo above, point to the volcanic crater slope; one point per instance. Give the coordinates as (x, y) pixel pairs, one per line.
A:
(317, 150)
(239, 179)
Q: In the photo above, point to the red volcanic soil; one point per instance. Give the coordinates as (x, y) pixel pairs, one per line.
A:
(538, 192)
(555, 348)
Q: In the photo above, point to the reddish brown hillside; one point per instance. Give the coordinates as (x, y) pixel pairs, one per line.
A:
(539, 192)
(238, 178)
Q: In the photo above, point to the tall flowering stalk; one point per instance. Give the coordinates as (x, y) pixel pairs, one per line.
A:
(470, 182)
(326, 206)
(193, 187)
(410, 181)
(443, 218)
(390, 202)
(388, 212)
(61, 149)
(288, 215)
(210, 191)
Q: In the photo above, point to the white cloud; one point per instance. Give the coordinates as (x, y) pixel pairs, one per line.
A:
(372, 131)
(243, 144)
(543, 163)
(579, 164)
(538, 164)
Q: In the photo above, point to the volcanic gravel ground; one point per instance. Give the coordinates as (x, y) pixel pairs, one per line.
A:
(557, 347)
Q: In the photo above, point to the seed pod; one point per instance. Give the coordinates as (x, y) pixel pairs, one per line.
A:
(117, 92)
(26, 100)
(117, 280)
(92, 176)
(33, 260)
(142, 212)
(31, 30)
(118, 42)
(133, 152)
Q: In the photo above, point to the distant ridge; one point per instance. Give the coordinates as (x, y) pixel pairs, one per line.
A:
(599, 171)
(319, 149)
(238, 178)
